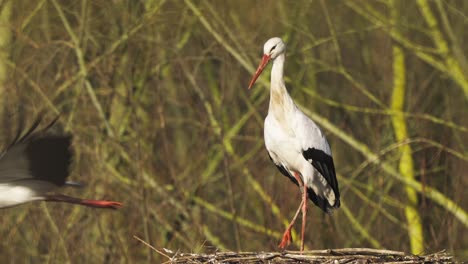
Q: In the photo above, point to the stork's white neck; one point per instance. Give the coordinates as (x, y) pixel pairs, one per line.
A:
(280, 101)
(277, 73)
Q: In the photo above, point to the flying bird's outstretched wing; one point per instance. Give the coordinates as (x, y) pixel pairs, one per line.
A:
(37, 155)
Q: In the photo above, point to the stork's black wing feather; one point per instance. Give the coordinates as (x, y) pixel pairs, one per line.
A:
(284, 171)
(323, 163)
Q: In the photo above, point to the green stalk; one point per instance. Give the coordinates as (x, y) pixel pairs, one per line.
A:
(451, 63)
(406, 167)
(5, 40)
(83, 69)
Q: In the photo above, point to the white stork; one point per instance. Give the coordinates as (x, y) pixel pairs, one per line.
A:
(296, 144)
(35, 164)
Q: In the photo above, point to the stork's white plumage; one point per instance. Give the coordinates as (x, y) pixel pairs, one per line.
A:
(295, 143)
(35, 164)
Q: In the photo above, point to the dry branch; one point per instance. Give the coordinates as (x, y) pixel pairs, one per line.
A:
(345, 255)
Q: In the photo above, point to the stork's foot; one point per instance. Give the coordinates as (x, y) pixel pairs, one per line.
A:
(286, 239)
(102, 204)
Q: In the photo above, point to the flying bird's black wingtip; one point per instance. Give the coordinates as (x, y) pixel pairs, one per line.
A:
(50, 158)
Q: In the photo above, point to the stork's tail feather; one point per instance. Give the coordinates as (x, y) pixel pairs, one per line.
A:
(322, 202)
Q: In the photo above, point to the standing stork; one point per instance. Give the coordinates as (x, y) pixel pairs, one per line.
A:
(35, 164)
(296, 144)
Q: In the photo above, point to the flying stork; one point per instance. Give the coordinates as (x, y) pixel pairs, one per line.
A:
(296, 144)
(35, 164)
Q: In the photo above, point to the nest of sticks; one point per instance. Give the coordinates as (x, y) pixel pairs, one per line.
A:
(345, 255)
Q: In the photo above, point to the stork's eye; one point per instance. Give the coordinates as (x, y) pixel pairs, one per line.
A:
(272, 48)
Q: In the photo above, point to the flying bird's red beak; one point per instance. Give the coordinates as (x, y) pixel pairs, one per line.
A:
(265, 59)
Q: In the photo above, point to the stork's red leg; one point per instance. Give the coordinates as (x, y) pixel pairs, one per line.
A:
(286, 240)
(90, 203)
(304, 214)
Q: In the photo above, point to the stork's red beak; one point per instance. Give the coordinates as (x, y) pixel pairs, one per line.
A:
(263, 64)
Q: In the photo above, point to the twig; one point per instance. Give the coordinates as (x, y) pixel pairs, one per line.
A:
(150, 246)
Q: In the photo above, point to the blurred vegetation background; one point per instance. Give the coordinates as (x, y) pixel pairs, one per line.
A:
(155, 94)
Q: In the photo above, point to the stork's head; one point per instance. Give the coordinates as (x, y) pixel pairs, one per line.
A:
(272, 49)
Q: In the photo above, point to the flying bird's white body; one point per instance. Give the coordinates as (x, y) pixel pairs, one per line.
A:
(28, 191)
(16, 184)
